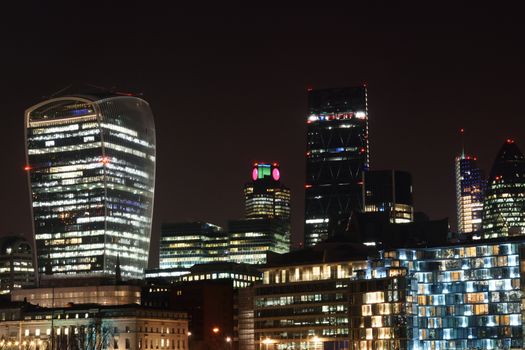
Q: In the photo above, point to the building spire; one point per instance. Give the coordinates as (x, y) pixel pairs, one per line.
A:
(462, 135)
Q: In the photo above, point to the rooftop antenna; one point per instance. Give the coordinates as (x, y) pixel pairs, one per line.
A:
(462, 135)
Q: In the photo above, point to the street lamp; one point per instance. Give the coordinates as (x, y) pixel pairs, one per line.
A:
(316, 340)
(267, 341)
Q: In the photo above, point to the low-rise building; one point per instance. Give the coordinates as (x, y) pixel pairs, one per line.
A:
(91, 326)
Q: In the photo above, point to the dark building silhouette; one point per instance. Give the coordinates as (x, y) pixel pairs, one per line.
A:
(336, 155)
(504, 204)
(390, 192)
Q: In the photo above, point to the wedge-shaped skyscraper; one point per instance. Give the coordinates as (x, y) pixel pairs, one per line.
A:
(91, 171)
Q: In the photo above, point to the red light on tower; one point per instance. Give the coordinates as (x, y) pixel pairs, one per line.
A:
(307, 186)
(104, 160)
(27, 168)
(510, 141)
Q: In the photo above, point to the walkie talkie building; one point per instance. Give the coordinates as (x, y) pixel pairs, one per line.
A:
(91, 171)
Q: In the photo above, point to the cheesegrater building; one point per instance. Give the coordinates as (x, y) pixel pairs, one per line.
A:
(91, 171)
(337, 153)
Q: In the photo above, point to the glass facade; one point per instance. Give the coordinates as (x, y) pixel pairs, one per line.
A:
(185, 244)
(250, 240)
(390, 192)
(504, 203)
(470, 188)
(450, 297)
(337, 153)
(91, 171)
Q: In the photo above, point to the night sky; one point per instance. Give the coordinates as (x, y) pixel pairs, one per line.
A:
(228, 87)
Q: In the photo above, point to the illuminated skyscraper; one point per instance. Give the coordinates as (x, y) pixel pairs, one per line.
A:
(390, 192)
(265, 196)
(336, 155)
(91, 171)
(266, 227)
(504, 204)
(470, 187)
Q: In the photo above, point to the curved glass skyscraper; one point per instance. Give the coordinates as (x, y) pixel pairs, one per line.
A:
(504, 204)
(91, 171)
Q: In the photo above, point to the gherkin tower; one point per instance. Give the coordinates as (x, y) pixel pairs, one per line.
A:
(504, 204)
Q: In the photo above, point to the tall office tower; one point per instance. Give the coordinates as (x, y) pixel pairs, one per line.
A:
(91, 171)
(265, 196)
(390, 192)
(336, 155)
(504, 204)
(266, 227)
(185, 244)
(470, 188)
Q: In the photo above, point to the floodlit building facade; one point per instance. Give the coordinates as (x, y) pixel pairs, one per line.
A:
(470, 188)
(448, 297)
(91, 172)
(504, 203)
(337, 153)
(90, 326)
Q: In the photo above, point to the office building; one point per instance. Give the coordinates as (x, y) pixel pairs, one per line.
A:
(185, 244)
(337, 153)
(504, 203)
(390, 192)
(250, 240)
(303, 300)
(470, 188)
(210, 306)
(265, 196)
(16, 264)
(91, 172)
(91, 326)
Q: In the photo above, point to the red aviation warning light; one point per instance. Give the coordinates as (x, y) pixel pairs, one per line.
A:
(27, 168)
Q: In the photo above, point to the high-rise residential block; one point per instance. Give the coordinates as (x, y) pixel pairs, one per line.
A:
(337, 153)
(91, 172)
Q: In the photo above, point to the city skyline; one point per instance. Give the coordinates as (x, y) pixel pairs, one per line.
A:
(450, 73)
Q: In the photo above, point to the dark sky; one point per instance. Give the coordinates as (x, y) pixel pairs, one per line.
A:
(228, 87)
